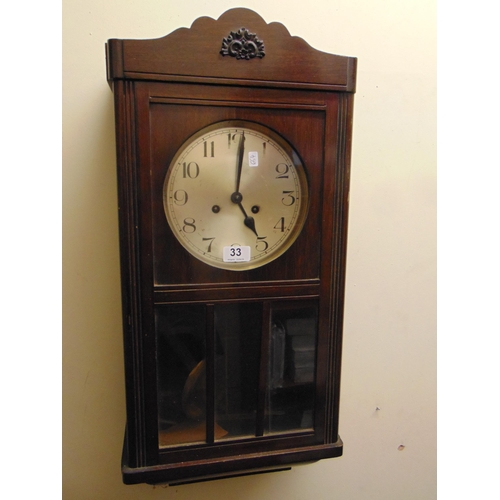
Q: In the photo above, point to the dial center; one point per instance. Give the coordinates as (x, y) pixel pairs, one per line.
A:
(236, 197)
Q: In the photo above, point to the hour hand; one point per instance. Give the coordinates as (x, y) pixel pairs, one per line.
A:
(249, 222)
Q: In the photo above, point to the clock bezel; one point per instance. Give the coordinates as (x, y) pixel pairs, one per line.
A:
(294, 228)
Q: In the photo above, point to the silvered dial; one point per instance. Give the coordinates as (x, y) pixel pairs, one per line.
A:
(235, 195)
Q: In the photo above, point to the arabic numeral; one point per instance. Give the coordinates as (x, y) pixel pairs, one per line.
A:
(282, 169)
(189, 226)
(289, 200)
(280, 225)
(261, 245)
(208, 151)
(180, 197)
(190, 170)
(211, 240)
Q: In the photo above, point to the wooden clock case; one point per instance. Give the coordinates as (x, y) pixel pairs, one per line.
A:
(234, 68)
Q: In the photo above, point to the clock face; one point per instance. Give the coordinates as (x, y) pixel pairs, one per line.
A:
(235, 195)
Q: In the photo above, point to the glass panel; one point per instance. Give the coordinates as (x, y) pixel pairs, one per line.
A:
(181, 334)
(292, 367)
(237, 361)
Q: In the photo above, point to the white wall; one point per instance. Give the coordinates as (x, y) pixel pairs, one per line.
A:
(390, 336)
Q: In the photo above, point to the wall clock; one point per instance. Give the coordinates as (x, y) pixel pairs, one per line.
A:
(233, 153)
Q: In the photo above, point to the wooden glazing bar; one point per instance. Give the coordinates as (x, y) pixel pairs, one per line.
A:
(263, 370)
(210, 373)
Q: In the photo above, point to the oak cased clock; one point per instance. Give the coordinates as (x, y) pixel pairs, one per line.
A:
(233, 157)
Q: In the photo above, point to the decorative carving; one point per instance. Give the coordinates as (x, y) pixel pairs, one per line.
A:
(242, 45)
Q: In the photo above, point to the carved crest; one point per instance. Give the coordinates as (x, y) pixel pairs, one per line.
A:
(242, 45)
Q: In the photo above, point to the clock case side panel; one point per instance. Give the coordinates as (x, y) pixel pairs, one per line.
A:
(132, 289)
(334, 252)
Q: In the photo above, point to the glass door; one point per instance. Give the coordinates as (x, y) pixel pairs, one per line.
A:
(232, 371)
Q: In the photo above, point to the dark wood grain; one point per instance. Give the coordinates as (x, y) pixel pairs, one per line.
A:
(165, 90)
(193, 54)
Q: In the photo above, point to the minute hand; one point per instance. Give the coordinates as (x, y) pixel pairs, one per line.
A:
(239, 160)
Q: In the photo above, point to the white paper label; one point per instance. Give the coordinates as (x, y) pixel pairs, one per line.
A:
(253, 159)
(236, 254)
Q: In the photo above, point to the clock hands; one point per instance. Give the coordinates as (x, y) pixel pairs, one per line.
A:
(237, 197)
(249, 222)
